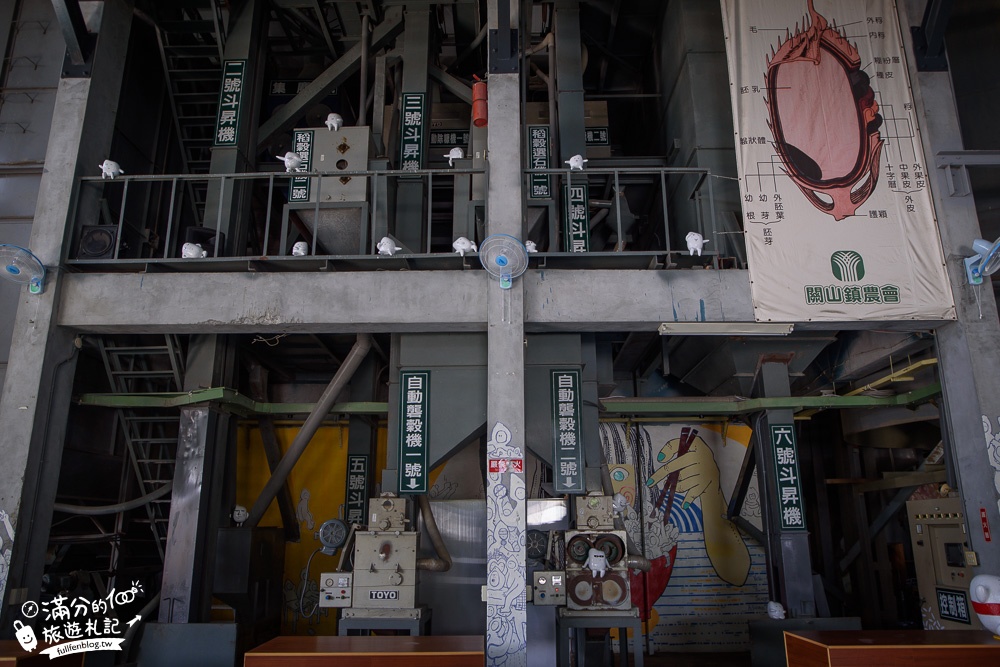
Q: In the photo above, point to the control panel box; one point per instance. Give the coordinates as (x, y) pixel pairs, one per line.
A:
(595, 513)
(348, 149)
(335, 589)
(549, 588)
(385, 570)
(387, 514)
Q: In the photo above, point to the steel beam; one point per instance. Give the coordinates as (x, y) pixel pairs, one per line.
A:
(970, 366)
(74, 30)
(789, 567)
(35, 405)
(332, 77)
(569, 81)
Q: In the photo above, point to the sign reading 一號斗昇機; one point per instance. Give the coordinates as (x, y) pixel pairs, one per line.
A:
(786, 476)
(540, 186)
(414, 429)
(227, 122)
(411, 136)
(357, 489)
(576, 198)
(302, 143)
(566, 431)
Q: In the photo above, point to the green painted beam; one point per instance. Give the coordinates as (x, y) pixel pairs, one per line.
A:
(229, 399)
(737, 405)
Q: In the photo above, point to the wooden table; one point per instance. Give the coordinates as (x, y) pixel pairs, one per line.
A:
(891, 648)
(368, 652)
(12, 654)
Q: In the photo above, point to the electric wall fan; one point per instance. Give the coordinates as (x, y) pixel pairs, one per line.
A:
(21, 266)
(504, 257)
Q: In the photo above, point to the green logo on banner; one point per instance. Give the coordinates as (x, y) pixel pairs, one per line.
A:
(847, 266)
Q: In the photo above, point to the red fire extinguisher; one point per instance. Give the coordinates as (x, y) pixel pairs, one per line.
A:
(480, 106)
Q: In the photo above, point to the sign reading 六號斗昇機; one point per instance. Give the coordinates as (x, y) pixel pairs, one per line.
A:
(414, 429)
(227, 123)
(566, 432)
(786, 476)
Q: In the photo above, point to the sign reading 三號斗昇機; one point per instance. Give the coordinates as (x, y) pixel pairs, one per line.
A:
(566, 431)
(411, 135)
(540, 186)
(413, 430)
(302, 143)
(576, 198)
(227, 123)
(786, 476)
(357, 489)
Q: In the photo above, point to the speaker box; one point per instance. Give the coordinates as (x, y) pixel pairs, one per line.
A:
(207, 239)
(97, 242)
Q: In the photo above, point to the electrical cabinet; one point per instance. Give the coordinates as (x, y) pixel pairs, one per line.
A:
(335, 589)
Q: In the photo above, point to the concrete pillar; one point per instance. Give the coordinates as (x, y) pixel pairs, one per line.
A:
(506, 629)
(967, 349)
(35, 401)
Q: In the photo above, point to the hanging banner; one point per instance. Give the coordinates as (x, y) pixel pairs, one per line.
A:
(414, 387)
(838, 219)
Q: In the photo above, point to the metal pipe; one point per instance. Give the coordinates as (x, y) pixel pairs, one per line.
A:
(473, 45)
(443, 561)
(309, 428)
(365, 47)
(636, 562)
(101, 510)
(151, 606)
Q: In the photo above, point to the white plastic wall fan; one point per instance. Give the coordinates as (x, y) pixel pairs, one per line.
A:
(20, 265)
(504, 257)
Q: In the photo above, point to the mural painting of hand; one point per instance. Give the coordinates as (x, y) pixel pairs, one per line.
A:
(698, 477)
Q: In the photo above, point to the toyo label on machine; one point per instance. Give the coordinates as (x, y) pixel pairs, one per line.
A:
(414, 389)
(383, 595)
(302, 144)
(227, 123)
(566, 431)
(786, 477)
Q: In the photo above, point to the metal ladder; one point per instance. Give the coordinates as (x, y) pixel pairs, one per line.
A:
(192, 43)
(150, 439)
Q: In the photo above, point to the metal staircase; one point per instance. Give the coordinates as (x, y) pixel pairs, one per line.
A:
(150, 438)
(191, 38)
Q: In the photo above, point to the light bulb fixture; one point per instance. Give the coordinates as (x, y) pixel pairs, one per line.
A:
(985, 262)
(726, 328)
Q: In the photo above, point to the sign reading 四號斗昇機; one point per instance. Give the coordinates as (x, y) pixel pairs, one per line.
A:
(576, 204)
(566, 432)
(227, 123)
(414, 429)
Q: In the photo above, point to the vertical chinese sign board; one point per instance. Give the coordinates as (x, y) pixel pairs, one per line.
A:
(411, 144)
(357, 489)
(414, 389)
(302, 143)
(540, 186)
(786, 477)
(577, 217)
(566, 432)
(230, 101)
